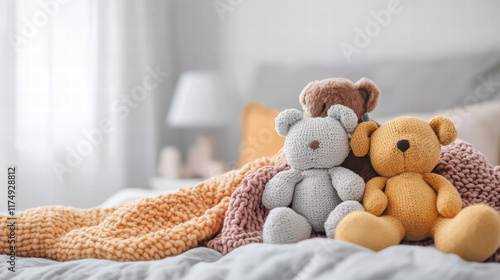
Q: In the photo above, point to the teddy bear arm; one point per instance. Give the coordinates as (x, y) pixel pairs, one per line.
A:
(375, 201)
(349, 185)
(278, 192)
(449, 202)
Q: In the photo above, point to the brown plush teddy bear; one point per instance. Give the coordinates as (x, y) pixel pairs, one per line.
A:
(408, 201)
(362, 97)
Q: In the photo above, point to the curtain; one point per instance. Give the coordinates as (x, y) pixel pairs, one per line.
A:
(83, 85)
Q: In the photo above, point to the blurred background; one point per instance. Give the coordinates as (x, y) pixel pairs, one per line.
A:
(102, 96)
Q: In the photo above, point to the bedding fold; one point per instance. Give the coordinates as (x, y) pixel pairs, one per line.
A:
(317, 258)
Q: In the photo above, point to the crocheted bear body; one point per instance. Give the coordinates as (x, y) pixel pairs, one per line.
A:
(316, 192)
(418, 213)
(324, 194)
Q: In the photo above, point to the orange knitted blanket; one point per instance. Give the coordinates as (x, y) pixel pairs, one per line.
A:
(146, 229)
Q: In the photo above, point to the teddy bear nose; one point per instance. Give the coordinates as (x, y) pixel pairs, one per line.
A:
(314, 144)
(403, 145)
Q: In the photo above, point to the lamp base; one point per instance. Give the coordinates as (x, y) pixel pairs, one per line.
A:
(201, 162)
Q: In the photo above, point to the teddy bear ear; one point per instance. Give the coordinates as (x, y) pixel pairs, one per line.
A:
(360, 141)
(444, 129)
(370, 93)
(308, 89)
(345, 115)
(287, 119)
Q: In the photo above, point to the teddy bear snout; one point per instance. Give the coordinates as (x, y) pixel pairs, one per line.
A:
(314, 144)
(403, 145)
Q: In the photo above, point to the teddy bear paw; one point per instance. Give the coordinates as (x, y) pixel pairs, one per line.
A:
(283, 225)
(342, 210)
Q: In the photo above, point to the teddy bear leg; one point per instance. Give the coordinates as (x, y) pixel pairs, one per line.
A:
(474, 233)
(342, 210)
(370, 231)
(283, 225)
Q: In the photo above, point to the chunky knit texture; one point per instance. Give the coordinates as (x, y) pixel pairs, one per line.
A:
(477, 181)
(246, 213)
(147, 229)
(316, 186)
(411, 203)
(464, 166)
(469, 171)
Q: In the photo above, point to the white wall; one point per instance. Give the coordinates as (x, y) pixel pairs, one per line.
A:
(311, 32)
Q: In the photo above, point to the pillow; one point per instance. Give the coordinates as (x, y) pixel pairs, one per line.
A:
(259, 137)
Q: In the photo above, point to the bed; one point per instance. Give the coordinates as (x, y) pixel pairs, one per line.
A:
(316, 258)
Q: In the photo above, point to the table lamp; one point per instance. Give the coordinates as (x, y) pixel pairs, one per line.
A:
(201, 101)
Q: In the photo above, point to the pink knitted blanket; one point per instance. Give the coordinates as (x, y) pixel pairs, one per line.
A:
(245, 215)
(468, 169)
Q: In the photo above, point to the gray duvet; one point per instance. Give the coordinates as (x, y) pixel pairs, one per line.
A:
(318, 258)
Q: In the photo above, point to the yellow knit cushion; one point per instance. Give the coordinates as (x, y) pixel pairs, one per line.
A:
(259, 137)
(146, 229)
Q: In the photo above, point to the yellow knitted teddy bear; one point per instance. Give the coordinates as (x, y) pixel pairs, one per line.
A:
(409, 202)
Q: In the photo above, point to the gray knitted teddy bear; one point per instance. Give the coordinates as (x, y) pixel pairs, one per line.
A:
(316, 193)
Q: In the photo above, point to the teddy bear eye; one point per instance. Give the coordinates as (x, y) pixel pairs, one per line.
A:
(324, 107)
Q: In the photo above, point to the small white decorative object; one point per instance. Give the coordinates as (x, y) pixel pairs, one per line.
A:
(201, 101)
(170, 164)
(201, 162)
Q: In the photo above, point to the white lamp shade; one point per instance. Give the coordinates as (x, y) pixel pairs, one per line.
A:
(200, 100)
